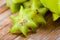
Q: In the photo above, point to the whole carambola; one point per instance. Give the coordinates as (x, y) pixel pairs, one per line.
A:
(54, 6)
(26, 19)
(14, 7)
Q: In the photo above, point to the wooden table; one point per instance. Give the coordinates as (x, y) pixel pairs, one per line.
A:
(50, 31)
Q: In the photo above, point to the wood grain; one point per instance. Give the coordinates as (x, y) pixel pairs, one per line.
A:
(50, 31)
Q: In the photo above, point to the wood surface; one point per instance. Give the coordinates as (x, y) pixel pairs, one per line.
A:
(50, 31)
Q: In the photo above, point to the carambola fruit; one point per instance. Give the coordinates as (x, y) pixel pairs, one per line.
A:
(26, 19)
(18, 1)
(31, 14)
(14, 7)
(53, 6)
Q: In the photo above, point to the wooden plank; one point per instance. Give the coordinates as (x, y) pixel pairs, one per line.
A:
(9, 37)
(53, 35)
(3, 8)
(5, 22)
(19, 38)
(2, 2)
(4, 31)
(58, 38)
(5, 15)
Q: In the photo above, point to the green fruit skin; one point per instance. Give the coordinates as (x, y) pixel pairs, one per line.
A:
(14, 7)
(14, 29)
(27, 4)
(42, 11)
(54, 6)
(55, 16)
(23, 30)
(18, 1)
(35, 4)
(31, 16)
